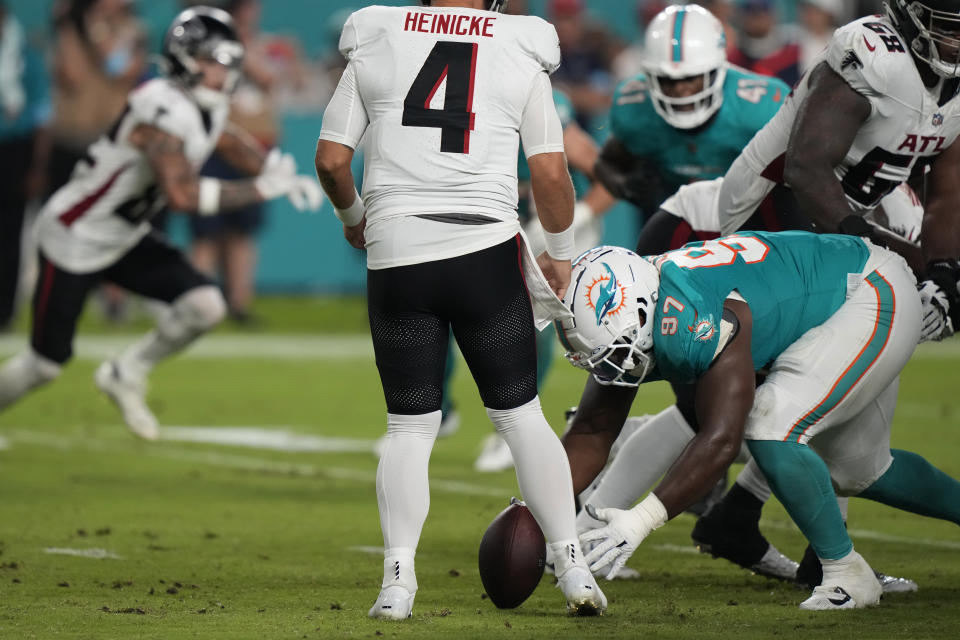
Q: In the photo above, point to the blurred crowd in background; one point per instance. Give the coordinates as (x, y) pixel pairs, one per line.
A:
(66, 67)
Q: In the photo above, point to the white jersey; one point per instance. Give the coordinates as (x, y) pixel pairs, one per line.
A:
(105, 208)
(906, 130)
(900, 210)
(441, 97)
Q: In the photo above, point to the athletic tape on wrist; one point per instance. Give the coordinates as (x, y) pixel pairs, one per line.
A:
(560, 245)
(652, 511)
(208, 198)
(352, 215)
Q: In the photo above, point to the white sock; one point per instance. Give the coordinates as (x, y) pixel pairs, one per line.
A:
(753, 480)
(642, 459)
(834, 568)
(565, 554)
(190, 316)
(403, 484)
(24, 372)
(398, 568)
(543, 471)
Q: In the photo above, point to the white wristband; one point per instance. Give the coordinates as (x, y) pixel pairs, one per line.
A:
(652, 511)
(352, 215)
(208, 198)
(560, 245)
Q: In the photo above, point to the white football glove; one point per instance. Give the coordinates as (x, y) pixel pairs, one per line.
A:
(626, 529)
(279, 178)
(276, 177)
(305, 194)
(936, 323)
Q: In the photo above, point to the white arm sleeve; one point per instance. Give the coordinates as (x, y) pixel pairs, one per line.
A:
(345, 118)
(540, 128)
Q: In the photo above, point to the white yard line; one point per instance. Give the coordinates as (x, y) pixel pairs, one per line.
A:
(271, 438)
(248, 463)
(362, 548)
(96, 554)
(271, 346)
(4, 443)
(676, 548)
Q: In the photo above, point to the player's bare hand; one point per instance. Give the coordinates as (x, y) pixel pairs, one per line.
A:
(557, 273)
(354, 235)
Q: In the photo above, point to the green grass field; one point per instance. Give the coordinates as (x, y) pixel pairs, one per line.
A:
(217, 541)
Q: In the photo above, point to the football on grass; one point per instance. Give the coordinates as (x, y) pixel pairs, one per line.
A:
(512, 556)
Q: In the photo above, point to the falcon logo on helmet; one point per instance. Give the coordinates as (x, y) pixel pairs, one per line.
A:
(202, 33)
(684, 42)
(612, 298)
(931, 28)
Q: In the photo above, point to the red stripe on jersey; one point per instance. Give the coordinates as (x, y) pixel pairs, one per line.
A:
(520, 250)
(76, 211)
(433, 92)
(473, 73)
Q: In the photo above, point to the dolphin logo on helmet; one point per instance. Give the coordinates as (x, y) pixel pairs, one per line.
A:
(611, 337)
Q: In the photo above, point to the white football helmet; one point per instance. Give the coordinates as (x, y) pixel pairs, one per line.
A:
(208, 33)
(684, 41)
(925, 24)
(612, 297)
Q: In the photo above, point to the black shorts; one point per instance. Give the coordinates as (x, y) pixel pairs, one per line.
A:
(152, 268)
(483, 298)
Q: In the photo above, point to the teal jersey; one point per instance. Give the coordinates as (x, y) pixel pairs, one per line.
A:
(707, 151)
(793, 281)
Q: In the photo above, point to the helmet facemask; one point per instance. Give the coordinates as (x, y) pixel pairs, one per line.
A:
(684, 42)
(690, 111)
(935, 28)
(229, 54)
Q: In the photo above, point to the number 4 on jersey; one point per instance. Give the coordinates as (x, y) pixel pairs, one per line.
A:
(455, 62)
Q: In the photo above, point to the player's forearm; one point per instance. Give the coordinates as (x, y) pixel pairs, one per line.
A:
(236, 194)
(940, 237)
(209, 196)
(552, 191)
(601, 414)
(333, 170)
(696, 471)
(818, 192)
(599, 199)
